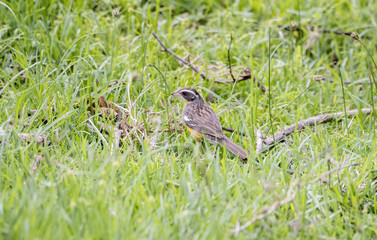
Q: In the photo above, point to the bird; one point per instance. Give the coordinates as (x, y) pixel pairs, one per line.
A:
(202, 121)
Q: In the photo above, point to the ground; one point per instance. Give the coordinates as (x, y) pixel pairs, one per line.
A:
(63, 175)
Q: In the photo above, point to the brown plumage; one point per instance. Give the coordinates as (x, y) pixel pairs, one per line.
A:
(201, 121)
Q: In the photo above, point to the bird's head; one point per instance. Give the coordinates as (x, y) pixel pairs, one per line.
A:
(188, 94)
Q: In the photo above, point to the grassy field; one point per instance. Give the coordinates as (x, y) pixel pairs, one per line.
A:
(59, 57)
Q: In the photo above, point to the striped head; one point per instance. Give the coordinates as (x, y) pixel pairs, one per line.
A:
(188, 94)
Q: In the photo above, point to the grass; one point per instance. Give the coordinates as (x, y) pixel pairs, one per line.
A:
(56, 54)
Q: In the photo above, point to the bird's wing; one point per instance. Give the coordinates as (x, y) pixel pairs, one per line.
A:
(202, 119)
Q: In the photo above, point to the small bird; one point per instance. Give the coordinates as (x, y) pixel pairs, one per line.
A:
(201, 121)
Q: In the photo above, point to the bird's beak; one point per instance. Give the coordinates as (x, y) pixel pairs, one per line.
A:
(175, 93)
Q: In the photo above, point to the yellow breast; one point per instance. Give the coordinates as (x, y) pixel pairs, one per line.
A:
(196, 135)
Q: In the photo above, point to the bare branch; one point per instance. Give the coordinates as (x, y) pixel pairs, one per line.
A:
(294, 27)
(246, 77)
(202, 74)
(321, 178)
(281, 135)
(269, 211)
(233, 131)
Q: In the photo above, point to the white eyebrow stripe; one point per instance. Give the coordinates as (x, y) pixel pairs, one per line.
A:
(189, 91)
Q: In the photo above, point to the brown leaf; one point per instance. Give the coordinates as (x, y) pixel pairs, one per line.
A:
(103, 103)
(105, 108)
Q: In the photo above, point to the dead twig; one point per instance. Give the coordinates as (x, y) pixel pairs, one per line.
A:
(202, 74)
(336, 32)
(230, 64)
(233, 131)
(270, 210)
(322, 177)
(294, 27)
(323, 118)
(290, 198)
(246, 77)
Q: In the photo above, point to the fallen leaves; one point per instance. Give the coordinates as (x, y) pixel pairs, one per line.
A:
(122, 126)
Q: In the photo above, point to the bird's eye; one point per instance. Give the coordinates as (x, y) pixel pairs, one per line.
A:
(184, 93)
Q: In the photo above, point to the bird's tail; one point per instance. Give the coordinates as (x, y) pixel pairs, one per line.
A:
(234, 148)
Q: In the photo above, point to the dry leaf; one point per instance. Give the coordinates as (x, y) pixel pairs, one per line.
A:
(105, 108)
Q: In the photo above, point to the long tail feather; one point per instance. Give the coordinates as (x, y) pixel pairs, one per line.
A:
(231, 146)
(235, 149)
